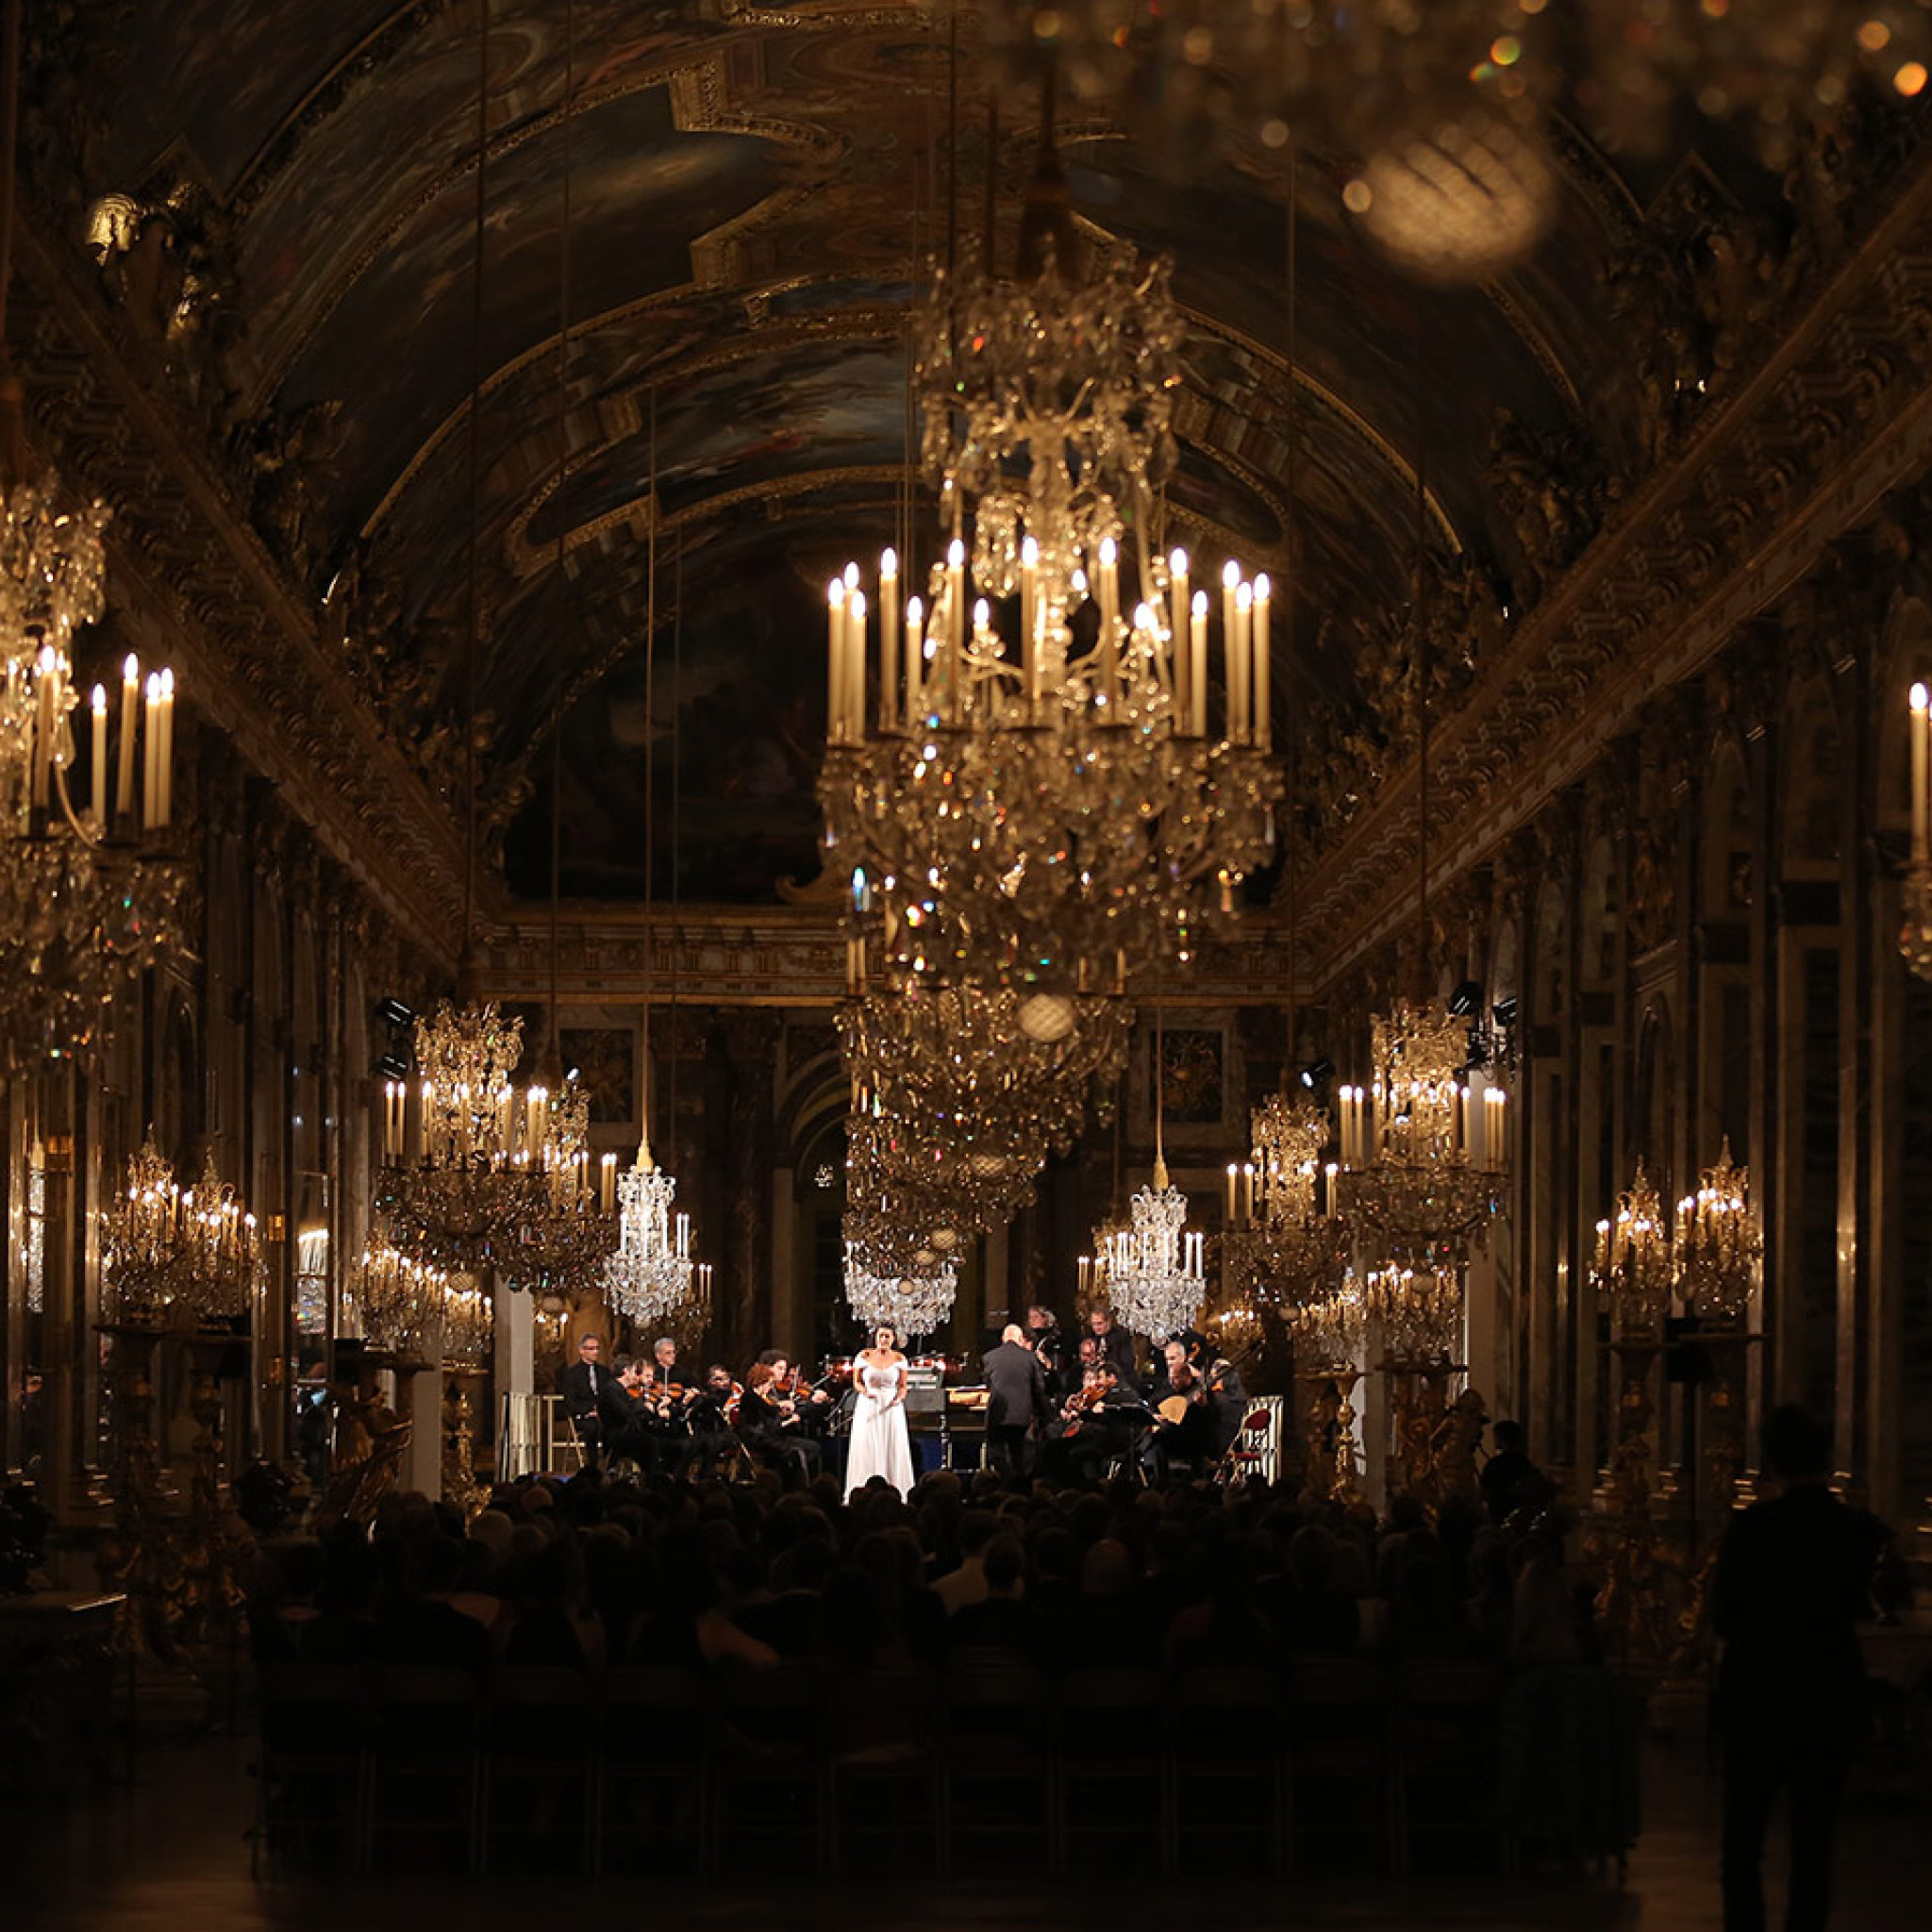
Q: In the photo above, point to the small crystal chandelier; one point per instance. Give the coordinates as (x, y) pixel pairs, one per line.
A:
(1635, 1266)
(167, 1249)
(1420, 1313)
(1915, 933)
(396, 1301)
(1021, 786)
(1422, 1148)
(1331, 1331)
(912, 1304)
(1720, 1246)
(651, 1276)
(465, 1150)
(1157, 1274)
(1285, 1232)
(468, 1322)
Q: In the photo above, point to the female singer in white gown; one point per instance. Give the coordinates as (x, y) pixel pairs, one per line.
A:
(880, 1444)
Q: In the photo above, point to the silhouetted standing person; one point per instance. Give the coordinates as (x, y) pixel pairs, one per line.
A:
(1016, 1399)
(1792, 1578)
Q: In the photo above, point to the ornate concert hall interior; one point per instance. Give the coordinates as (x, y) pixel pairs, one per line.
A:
(714, 678)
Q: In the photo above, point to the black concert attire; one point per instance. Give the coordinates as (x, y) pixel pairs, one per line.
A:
(630, 1426)
(1117, 1349)
(713, 1441)
(1227, 1401)
(762, 1428)
(1084, 1447)
(1189, 1440)
(585, 1388)
(1016, 1399)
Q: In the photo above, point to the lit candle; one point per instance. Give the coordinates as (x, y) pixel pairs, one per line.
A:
(1248, 1190)
(131, 701)
(606, 1184)
(165, 759)
(854, 665)
(150, 764)
(1230, 1209)
(835, 657)
(1243, 658)
(1029, 599)
(1264, 732)
(1921, 770)
(1197, 664)
(888, 637)
(956, 625)
(99, 762)
(1177, 626)
(1110, 615)
(1230, 593)
(1328, 1205)
(1493, 1102)
(915, 617)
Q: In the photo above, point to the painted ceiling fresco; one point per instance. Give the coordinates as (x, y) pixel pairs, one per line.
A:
(752, 192)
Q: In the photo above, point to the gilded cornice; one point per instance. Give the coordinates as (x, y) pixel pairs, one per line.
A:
(190, 582)
(1800, 453)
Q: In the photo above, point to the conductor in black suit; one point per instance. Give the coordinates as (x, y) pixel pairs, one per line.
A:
(587, 1388)
(1016, 1398)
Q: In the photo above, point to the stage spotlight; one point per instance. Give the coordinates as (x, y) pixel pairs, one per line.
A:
(1503, 1011)
(392, 1012)
(1465, 1000)
(1316, 1072)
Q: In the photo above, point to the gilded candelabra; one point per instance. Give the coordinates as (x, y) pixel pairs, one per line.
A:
(169, 1251)
(1720, 1246)
(1422, 1148)
(1285, 1235)
(1635, 1269)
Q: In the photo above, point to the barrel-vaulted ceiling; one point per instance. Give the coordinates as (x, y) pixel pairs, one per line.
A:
(753, 190)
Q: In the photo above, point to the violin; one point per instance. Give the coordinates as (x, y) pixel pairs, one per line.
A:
(1083, 1405)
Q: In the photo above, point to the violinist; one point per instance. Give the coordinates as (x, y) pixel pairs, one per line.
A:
(713, 1441)
(770, 1426)
(626, 1415)
(1095, 1426)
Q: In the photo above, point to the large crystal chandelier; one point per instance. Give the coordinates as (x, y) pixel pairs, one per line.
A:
(1021, 781)
(167, 1250)
(1422, 1148)
(1156, 1269)
(1720, 1246)
(1635, 1266)
(1915, 933)
(1287, 1235)
(912, 1304)
(466, 1151)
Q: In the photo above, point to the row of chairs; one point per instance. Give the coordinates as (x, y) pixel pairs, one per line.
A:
(661, 1768)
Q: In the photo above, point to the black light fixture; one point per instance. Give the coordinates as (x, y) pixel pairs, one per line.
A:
(392, 1012)
(1503, 1011)
(391, 1066)
(1316, 1072)
(1466, 1000)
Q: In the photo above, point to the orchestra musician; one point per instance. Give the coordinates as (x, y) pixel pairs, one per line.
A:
(713, 1441)
(1184, 1432)
(587, 1387)
(770, 1426)
(1095, 1426)
(1043, 1338)
(1114, 1343)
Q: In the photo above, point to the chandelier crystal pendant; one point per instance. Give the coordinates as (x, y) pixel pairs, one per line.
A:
(1635, 1266)
(1422, 1148)
(465, 1150)
(1719, 1248)
(1021, 781)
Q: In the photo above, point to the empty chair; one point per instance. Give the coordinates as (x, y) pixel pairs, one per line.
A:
(1225, 1748)
(1114, 1801)
(1449, 1723)
(653, 1794)
(996, 1789)
(1342, 1767)
(425, 1800)
(769, 1768)
(312, 1777)
(540, 1740)
(884, 1792)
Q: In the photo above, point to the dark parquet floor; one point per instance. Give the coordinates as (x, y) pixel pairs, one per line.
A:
(169, 1852)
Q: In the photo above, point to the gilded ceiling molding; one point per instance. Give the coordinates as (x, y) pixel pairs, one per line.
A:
(700, 104)
(1786, 460)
